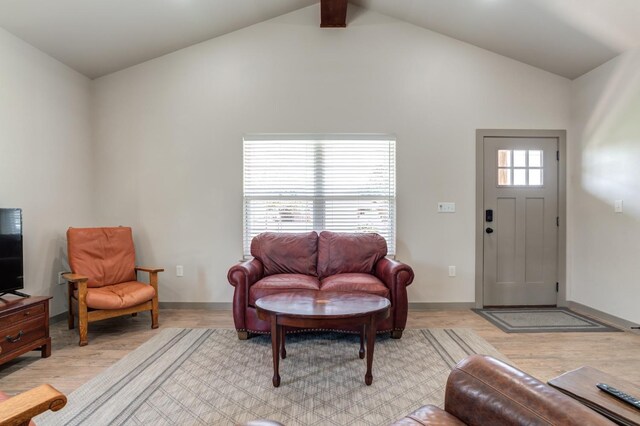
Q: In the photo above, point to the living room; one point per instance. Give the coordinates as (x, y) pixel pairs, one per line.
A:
(115, 115)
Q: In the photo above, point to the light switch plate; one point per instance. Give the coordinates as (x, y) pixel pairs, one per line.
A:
(617, 206)
(179, 271)
(446, 207)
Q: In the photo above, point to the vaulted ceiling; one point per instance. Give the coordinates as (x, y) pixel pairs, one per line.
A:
(97, 37)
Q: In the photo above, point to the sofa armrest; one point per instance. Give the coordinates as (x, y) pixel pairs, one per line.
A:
(484, 390)
(246, 273)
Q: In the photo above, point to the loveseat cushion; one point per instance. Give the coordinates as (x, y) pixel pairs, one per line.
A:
(118, 296)
(286, 253)
(340, 253)
(361, 283)
(280, 283)
(105, 255)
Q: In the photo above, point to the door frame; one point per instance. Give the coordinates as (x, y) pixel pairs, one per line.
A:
(561, 135)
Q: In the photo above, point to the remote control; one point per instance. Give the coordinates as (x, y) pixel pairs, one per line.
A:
(619, 394)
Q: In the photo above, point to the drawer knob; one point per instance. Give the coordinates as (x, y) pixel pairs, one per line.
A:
(15, 339)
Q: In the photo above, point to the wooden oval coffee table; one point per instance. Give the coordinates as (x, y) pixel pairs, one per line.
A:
(320, 309)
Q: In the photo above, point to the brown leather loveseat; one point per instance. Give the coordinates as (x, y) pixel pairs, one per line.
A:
(331, 261)
(485, 391)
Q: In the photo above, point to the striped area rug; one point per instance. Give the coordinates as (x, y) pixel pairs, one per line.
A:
(209, 377)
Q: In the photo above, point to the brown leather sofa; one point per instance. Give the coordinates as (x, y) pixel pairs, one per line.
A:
(482, 390)
(327, 262)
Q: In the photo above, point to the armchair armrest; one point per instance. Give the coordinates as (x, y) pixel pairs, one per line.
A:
(21, 408)
(248, 273)
(75, 278)
(149, 270)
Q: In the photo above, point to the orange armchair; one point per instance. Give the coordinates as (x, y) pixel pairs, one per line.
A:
(103, 283)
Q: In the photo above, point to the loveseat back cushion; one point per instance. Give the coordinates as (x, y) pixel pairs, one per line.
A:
(105, 255)
(355, 282)
(281, 283)
(286, 253)
(340, 252)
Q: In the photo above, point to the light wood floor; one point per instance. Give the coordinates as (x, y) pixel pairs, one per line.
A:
(544, 355)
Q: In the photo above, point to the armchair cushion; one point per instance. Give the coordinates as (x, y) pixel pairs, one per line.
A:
(105, 255)
(279, 283)
(286, 253)
(362, 283)
(119, 296)
(340, 253)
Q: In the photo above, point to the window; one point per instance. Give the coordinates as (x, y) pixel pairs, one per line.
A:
(520, 167)
(304, 183)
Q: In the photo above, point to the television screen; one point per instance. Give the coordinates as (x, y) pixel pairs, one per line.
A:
(11, 250)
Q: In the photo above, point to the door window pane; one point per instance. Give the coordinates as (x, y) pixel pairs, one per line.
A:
(535, 177)
(504, 176)
(519, 177)
(504, 158)
(535, 158)
(520, 158)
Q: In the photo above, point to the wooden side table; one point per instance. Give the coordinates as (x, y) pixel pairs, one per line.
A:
(580, 384)
(24, 326)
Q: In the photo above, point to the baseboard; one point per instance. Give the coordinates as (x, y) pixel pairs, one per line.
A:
(213, 306)
(611, 319)
(58, 317)
(427, 306)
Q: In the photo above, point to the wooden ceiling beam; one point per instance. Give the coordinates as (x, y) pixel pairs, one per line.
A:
(333, 13)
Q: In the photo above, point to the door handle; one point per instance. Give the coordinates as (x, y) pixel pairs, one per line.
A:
(489, 230)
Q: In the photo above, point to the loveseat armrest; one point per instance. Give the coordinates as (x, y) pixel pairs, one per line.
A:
(483, 390)
(394, 273)
(245, 273)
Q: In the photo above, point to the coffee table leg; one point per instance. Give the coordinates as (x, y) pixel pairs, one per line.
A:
(371, 340)
(363, 333)
(275, 348)
(283, 336)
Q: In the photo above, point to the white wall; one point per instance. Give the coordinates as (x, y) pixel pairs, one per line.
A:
(603, 246)
(168, 136)
(45, 157)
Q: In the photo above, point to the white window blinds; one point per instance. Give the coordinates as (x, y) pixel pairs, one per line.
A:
(303, 183)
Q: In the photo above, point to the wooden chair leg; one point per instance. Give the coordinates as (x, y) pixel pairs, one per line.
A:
(153, 281)
(70, 319)
(83, 315)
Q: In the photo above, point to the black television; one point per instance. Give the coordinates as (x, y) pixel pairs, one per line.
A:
(11, 264)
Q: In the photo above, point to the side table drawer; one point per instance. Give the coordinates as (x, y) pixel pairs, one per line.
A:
(22, 315)
(13, 338)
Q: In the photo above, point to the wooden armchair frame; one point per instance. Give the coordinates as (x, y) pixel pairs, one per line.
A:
(20, 409)
(87, 315)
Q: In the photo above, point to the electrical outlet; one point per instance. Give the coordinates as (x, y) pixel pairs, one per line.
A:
(179, 271)
(61, 280)
(452, 271)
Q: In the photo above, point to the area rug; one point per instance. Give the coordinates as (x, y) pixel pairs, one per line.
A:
(209, 377)
(541, 320)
